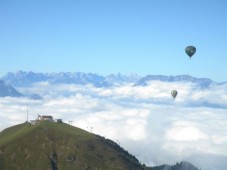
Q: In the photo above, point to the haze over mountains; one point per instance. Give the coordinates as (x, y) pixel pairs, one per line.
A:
(8, 90)
(26, 79)
(22, 78)
(137, 111)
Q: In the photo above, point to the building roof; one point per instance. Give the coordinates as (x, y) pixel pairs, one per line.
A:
(46, 116)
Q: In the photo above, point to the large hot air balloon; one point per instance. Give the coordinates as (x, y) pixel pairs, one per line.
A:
(174, 93)
(190, 50)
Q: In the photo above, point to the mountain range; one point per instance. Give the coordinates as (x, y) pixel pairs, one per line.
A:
(19, 80)
(12, 81)
(23, 79)
(202, 82)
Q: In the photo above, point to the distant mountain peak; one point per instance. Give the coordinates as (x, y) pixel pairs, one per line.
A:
(203, 82)
(178, 166)
(22, 79)
(7, 90)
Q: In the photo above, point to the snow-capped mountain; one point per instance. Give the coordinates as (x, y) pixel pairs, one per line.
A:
(202, 82)
(119, 78)
(23, 79)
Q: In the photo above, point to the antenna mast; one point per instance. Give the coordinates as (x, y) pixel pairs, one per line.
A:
(27, 112)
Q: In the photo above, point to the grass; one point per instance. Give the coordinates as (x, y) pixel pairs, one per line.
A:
(48, 145)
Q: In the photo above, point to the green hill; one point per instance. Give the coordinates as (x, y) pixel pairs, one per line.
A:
(59, 146)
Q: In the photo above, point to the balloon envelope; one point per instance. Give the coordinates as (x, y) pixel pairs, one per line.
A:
(190, 50)
(174, 93)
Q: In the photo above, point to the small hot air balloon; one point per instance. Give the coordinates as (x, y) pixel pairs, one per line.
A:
(190, 51)
(174, 93)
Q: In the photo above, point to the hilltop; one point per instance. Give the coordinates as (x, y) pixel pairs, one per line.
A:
(55, 146)
(48, 145)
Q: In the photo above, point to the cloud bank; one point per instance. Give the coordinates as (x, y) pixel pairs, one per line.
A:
(145, 120)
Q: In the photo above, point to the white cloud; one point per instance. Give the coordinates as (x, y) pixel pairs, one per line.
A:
(185, 133)
(147, 121)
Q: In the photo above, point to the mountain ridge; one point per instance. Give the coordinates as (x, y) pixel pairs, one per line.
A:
(203, 82)
(23, 79)
(8, 90)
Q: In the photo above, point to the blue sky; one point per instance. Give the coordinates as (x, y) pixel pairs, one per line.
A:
(114, 36)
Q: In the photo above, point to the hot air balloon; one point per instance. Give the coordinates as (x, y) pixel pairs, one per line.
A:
(174, 93)
(190, 51)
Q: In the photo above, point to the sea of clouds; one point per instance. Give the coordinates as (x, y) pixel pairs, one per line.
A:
(145, 120)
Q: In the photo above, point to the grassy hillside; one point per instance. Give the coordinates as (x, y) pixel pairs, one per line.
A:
(59, 146)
